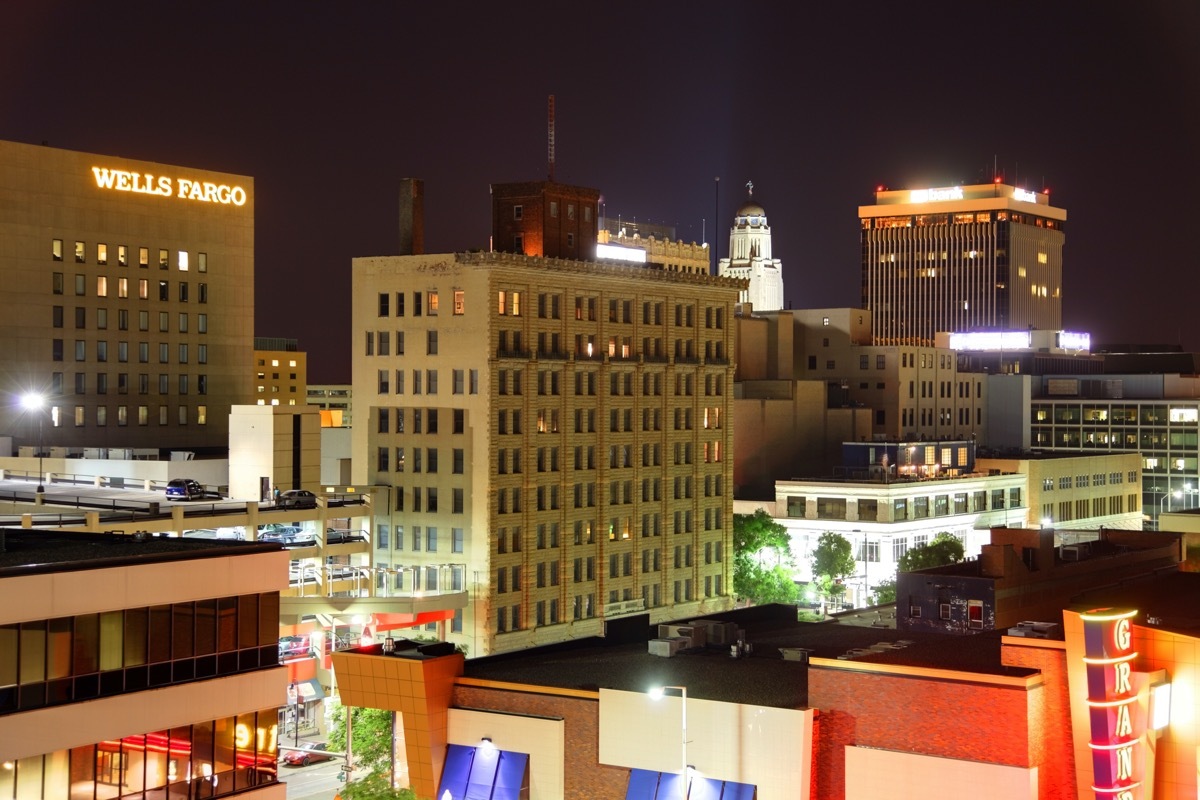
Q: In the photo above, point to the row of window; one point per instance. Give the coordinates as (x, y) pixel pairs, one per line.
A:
(68, 659)
(546, 612)
(58, 319)
(121, 252)
(141, 415)
(424, 500)
(1082, 481)
(418, 420)
(907, 508)
(102, 351)
(620, 420)
(183, 288)
(119, 383)
(1116, 414)
(423, 303)
(1067, 510)
(426, 381)
(511, 344)
(423, 460)
(215, 758)
(392, 538)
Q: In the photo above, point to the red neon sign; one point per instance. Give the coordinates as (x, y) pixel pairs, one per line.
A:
(1117, 721)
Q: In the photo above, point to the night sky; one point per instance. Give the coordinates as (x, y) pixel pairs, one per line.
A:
(817, 103)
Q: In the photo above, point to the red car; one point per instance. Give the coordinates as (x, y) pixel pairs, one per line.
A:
(309, 753)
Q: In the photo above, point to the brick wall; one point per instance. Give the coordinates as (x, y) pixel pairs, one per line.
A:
(584, 779)
(930, 716)
(1050, 745)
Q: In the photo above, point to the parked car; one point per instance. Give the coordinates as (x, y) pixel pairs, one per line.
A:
(309, 753)
(296, 498)
(185, 489)
(284, 534)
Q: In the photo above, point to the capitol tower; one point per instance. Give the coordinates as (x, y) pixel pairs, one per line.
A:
(750, 257)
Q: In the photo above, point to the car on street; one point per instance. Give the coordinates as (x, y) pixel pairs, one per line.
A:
(296, 498)
(309, 753)
(185, 489)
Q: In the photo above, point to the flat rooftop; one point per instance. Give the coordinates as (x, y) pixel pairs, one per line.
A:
(762, 677)
(28, 551)
(1168, 600)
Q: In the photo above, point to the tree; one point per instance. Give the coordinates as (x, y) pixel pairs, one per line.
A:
(833, 556)
(944, 549)
(762, 559)
(374, 787)
(372, 732)
(831, 561)
(885, 592)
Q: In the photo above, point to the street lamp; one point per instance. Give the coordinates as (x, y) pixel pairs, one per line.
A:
(35, 403)
(657, 693)
(1166, 496)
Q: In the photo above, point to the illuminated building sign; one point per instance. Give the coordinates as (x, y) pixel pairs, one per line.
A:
(991, 340)
(1118, 721)
(1074, 341)
(615, 253)
(1024, 196)
(144, 183)
(935, 195)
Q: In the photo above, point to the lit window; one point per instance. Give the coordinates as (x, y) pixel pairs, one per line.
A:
(183, 260)
(459, 302)
(80, 252)
(101, 254)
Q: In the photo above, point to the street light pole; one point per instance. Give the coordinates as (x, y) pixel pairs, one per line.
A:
(1167, 495)
(657, 693)
(36, 403)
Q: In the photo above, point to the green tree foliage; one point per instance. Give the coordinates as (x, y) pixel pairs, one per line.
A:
(372, 732)
(944, 549)
(375, 786)
(762, 559)
(885, 592)
(833, 556)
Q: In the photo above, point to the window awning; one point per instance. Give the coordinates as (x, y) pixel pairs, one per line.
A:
(482, 773)
(646, 784)
(310, 690)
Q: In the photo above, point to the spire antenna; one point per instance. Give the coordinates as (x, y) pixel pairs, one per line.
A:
(550, 137)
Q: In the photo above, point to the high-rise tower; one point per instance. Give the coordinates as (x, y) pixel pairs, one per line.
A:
(750, 257)
(961, 258)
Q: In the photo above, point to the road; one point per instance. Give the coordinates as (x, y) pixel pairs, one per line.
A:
(315, 782)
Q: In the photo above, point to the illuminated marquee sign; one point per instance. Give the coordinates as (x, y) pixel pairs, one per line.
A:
(1024, 195)
(935, 195)
(1118, 721)
(615, 253)
(1074, 341)
(991, 340)
(144, 183)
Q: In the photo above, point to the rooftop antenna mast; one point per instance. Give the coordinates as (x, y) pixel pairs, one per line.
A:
(550, 137)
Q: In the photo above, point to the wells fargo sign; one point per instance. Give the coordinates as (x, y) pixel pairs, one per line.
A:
(144, 183)
(1118, 721)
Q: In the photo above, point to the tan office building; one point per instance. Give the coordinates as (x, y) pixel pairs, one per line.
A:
(560, 426)
(280, 373)
(129, 296)
(961, 258)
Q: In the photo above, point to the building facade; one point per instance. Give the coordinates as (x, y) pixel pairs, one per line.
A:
(543, 218)
(130, 287)
(1156, 416)
(281, 373)
(809, 380)
(562, 427)
(961, 258)
(750, 259)
(127, 666)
